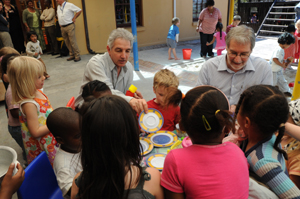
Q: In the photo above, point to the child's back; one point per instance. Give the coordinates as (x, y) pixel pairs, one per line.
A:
(207, 171)
(221, 42)
(208, 168)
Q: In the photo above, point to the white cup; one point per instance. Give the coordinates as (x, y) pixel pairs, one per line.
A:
(7, 156)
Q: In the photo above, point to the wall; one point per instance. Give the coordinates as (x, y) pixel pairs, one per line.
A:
(157, 17)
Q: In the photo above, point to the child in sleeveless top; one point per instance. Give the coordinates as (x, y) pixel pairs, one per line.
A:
(26, 79)
(111, 154)
(208, 168)
(262, 110)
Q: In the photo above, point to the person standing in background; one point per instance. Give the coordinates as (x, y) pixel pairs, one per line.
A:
(48, 16)
(66, 19)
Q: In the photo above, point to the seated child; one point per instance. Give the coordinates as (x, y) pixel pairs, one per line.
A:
(208, 168)
(291, 145)
(14, 126)
(33, 49)
(165, 87)
(262, 111)
(64, 123)
(93, 90)
(278, 63)
(235, 22)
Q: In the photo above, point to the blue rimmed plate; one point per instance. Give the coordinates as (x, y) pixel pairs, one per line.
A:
(163, 138)
(147, 146)
(156, 161)
(152, 121)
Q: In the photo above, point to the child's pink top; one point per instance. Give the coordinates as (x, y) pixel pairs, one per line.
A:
(292, 50)
(207, 171)
(297, 35)
(221, 43)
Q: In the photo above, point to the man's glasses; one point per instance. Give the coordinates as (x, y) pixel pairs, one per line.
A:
(242, 55)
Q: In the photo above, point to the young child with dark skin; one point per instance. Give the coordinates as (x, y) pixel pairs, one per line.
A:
(64, 123)
(262, 111)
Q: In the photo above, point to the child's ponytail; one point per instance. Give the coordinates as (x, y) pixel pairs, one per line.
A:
(225, 119)
(278, 139)
(220, 26)
(173, 97)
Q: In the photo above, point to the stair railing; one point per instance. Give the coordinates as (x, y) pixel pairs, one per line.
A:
(261, 25)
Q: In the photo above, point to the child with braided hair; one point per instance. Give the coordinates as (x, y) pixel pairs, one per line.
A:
(262, 110)
(208, 168)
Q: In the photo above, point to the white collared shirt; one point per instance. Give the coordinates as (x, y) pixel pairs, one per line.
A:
(65, 13)
(215, 72)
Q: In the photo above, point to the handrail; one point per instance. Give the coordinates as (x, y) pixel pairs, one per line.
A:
(261, 25)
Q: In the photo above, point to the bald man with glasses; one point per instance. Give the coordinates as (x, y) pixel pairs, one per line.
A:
(237, 70)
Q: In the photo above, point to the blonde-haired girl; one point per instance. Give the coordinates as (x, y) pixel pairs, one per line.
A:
(26, 75)
(297, 34)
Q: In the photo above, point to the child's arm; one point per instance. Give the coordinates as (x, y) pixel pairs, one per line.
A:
(75, 189)
(40, 49)
(30, 110)
(14, 112)
(296, 180)
(283, 65)
(212, 41)
(292, 130)
(177, 37)
(28, 51)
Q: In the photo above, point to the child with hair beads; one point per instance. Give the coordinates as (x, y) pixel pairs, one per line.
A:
(291, 145)
(165, 87)
(262, 110)
(64, 123)
(220, 36)
(26, 79)
(111, 153)
(278, 63)
(208, 168)
(173, 37)
(235, 22)
(33, 49)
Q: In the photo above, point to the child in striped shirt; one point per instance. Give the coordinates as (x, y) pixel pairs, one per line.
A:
(263, 110)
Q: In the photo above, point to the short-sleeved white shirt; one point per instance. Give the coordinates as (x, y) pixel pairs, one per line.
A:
(279, 54)
(65, 13)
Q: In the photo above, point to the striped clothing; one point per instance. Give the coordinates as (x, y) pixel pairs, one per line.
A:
(209, 20)
(269, 167)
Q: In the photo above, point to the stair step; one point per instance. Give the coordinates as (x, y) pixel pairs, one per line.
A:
(277, 26)
(267, 37)
(269, 31)
(278, 19)
(282, 13)
(284, 7)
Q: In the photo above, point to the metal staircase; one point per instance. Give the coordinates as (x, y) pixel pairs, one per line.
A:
(279, 16)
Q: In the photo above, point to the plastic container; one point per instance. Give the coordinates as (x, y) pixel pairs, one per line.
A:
(8, 155)
(187, 52)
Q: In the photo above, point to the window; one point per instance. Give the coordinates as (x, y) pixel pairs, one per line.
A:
(198, 6)
(122, 10)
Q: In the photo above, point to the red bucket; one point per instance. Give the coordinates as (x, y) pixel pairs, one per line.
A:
(187, 53)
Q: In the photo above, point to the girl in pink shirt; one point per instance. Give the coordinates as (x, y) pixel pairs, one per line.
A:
(220, 37)
(208, 168)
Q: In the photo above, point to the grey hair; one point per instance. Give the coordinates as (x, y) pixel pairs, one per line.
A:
(119, 33)
(242, 35)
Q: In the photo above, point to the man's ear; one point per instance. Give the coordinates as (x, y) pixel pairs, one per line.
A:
(108, 49)
(59, 139)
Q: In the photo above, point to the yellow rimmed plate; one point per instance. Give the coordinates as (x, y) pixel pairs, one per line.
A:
(152, 121)
(156, 161)
(163, 138)
(147, 145)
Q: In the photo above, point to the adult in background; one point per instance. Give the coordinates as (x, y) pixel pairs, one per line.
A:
(15, 28)
(208, 19)
(4, 35)
(237, 70)
(31, 20)
(114, 69)
(66, 19)
(48, 16)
